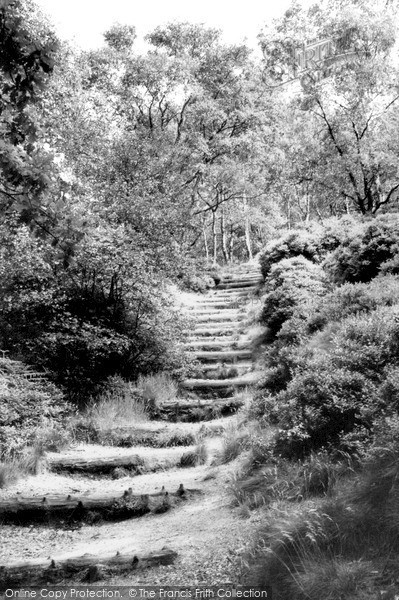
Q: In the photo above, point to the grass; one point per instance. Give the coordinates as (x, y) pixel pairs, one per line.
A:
(156, 389)
(29, 462)
(195, 457)
(51, 437)
(175, 437)
(117, 406)
(10, 472)
(340, 546)
(235, 440)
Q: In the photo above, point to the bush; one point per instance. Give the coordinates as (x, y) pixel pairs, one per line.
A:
(293, 243)
(27, 406)
(198, 283)
(368, 343)
(337, 389)
(351, 299)
(362, 255)
(99, 312)
(319, 406)
(294, 285)
(334, 231)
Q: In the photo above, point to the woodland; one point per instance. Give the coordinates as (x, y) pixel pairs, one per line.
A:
(130, 178)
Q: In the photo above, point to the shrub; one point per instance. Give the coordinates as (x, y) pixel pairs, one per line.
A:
(319, 406)
(351, 299)
(292, 244)
(361, 256)
(331, 389)
(294, 286)
(367, 343)
(103, 312)
(334, 231)
(27, 405)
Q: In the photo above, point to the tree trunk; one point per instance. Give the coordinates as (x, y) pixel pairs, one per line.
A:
(289, 213)
(231, 244)
(205, 238)
(214, 237)
(223, 235)
(247, 228)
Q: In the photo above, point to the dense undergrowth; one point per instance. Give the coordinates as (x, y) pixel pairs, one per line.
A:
(324, 462)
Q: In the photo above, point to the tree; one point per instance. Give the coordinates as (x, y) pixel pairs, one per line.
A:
(349, 100)
(27, 47)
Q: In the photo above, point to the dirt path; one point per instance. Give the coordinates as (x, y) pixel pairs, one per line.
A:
(205, 531)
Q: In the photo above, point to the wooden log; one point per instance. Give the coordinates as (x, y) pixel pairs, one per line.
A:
(130, 436)
(220, 332)
(89, 509)
(203, 410)
(222, 370)
(213, 309)
(218, 317)
(213, 328)
(193, 384)
(104, 465)
(237, 285)
(250, 277)
(223, 356)
(88, 568)
(221, 344)
(208, 304)
(230, 293)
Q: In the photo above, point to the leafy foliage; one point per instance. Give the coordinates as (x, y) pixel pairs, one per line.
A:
(27, 49)
(94, 319)
(294, 283)
(362, 255)
(293, 243)
(27, 405)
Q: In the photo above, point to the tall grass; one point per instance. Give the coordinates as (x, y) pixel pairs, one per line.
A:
(30, 461)
(117, 406)
(157, 388)
(333, 548)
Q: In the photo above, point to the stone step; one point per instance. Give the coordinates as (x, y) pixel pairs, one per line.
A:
(226, 355)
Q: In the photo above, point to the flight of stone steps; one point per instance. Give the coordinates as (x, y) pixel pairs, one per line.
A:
(217, 340)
